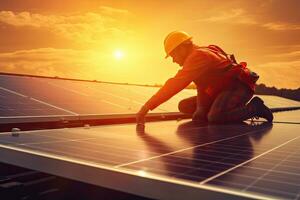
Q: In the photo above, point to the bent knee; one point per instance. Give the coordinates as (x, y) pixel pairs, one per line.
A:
(186, 107)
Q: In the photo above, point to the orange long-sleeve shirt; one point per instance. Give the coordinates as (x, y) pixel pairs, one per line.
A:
(202, 67)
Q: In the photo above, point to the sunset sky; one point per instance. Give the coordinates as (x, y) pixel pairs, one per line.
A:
(122, 40)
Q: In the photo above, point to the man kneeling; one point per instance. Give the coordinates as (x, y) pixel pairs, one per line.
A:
(224, 86)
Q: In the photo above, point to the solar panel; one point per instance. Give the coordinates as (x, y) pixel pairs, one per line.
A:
(37, 96)
(14, 104)
(171, 159)
(288, 117)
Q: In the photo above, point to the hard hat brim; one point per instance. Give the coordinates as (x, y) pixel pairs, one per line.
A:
(187, 39)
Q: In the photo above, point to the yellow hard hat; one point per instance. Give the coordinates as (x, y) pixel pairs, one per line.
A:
(174, 39)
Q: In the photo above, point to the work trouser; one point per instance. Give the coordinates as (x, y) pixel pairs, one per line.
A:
(228, 106)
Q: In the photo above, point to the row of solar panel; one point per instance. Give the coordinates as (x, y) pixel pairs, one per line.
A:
(34, 96)
(253, 161)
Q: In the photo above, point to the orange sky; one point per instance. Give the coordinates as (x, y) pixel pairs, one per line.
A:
(79, 39)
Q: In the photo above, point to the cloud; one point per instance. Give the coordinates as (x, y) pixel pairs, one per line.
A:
(53, 62)
(89, 27)
(112, 11)
(240, 16)
(281, 26)
(286, 55)
(280, 74)
(235, 16)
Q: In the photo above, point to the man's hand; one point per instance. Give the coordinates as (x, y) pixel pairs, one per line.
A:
(140, 119)
(140, 116)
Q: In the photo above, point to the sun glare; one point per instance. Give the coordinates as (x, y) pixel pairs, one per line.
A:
(118, 54)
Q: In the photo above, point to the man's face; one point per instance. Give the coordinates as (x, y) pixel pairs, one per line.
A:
(178, 55)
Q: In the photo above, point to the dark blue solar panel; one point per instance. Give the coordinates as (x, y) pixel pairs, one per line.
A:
(248, 159)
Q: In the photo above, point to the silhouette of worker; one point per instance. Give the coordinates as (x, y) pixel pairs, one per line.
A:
(223, 86)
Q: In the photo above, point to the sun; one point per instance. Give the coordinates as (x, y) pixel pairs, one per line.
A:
(118, 54)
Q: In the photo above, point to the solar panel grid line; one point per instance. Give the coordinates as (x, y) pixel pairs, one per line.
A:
(92, 159)
(192, 147)
(53, 106)
(102, 100)
(118, 96)
(241, 164)
(129, 100)
(193, 176)
(246, 149)
(279, 193)
(268, 159)
(104, 145)
(277, 171)
(13, 92)
(56, 141)
(36, 145)
(233, 158)
(181, 175)
(269, 179)
(64, 88)
(209, 170)
(39, 101)
(281, 176)
(140, 93)
(297, 156)
(84, 140)
(285, 193)
(268, 171)
(113, 104)
(99, 145)
(208, 164)
(239, 175)
(162, 180)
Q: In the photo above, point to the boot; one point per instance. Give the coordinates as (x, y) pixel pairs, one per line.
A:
(261, 110)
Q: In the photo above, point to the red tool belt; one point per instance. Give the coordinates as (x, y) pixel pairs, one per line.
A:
(247, 76)
(238, 70)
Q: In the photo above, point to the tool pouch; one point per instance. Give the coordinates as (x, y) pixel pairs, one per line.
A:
(246, 75)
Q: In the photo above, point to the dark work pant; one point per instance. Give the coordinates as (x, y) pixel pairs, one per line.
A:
(228, 106)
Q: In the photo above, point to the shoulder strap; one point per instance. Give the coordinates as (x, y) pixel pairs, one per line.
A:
(228, 56)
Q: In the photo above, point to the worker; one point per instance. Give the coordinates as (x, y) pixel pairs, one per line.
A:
(224, 87)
